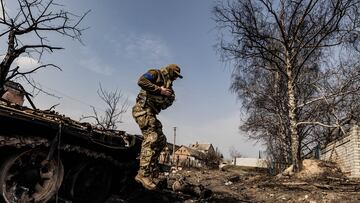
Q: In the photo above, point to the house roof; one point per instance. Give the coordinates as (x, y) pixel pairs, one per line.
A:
(202, 147)
(193, 152)
(170, 146)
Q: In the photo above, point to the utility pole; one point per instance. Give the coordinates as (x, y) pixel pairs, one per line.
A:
(173, 153)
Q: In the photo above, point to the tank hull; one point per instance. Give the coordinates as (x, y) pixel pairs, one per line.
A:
(71, 161)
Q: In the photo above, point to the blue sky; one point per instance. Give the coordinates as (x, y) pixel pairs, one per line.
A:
(127, 37)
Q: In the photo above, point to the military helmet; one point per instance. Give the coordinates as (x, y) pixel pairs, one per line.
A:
(174, 70)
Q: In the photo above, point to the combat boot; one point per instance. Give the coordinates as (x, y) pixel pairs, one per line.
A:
(146, 182)
(155, 173)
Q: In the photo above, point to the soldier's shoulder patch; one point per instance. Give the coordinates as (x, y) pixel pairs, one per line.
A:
(152, 74)
(148, 76)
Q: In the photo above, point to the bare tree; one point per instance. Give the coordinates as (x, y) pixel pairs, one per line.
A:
(284, 53)
(116, 106)
(34, 19)
(213, 159)
(234, 153)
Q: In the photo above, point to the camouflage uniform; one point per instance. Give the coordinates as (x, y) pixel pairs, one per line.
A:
(149, 103)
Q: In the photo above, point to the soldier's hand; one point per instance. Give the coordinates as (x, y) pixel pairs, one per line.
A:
(165, 91)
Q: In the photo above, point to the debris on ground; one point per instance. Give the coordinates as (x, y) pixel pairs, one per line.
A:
(313, 169)
(253, 185)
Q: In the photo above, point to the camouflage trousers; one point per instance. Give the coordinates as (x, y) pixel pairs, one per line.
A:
(154, 139)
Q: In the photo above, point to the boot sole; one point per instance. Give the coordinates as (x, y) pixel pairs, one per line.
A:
(139, 180)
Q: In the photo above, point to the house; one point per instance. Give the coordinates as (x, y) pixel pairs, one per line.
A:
(206, 148)
(166, 153)
(212, 156)
(189, 157)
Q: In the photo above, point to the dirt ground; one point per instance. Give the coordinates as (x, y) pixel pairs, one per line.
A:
(235, 184)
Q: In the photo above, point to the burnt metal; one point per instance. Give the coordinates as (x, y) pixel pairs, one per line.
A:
(72, 143)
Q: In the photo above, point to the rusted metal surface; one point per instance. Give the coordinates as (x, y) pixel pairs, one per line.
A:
(22, 126)
(72, 143)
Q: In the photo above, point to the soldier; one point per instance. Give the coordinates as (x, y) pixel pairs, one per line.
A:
(156, 94)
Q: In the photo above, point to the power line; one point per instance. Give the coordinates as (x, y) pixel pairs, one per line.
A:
(174, 144)
(72, 98)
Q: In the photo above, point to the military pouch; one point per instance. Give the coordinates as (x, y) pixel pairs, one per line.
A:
(160, 101)
(139, 113)
(141, 118)
(141, 100)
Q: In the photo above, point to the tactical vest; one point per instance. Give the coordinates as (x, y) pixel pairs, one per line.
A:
(158, 102)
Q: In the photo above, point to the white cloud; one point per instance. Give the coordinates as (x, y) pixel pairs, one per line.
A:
(92, 62)
(95, 65)
(26, 63)
(149, 49)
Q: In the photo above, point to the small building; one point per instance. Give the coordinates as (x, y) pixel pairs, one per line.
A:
(189, 157)
(166, 154)
(205, 148)
(212, 156)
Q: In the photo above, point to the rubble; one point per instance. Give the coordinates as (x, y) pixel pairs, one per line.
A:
(259, 186)
(314, 169)
(234, 178)
(194, 190)
(228, 183)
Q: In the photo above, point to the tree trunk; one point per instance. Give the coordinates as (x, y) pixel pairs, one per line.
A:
(292, 117)
(293, 128)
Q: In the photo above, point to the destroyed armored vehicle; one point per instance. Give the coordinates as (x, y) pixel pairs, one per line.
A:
(47, 157)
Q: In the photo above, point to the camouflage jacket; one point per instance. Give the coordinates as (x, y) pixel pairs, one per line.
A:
(150, 84)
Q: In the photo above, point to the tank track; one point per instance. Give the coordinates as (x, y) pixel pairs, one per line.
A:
(33, 142)
(90, 158)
